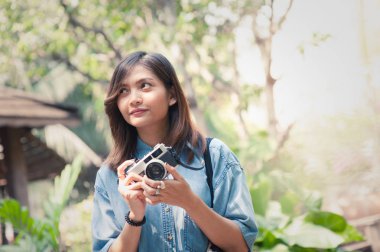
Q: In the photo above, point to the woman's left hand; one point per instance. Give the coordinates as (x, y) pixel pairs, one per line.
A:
(176, 191)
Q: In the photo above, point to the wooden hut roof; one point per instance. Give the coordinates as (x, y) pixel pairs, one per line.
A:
(24, 157)
(42, 162)
(21, 109)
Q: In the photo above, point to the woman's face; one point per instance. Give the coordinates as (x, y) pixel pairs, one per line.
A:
(144, 101)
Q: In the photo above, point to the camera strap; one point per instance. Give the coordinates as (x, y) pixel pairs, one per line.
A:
(209, 173)
(189, 167)
(206, 163)
(178, 159)
(209, 170)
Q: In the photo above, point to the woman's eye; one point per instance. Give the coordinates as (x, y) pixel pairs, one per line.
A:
(145, 85)
(123, 91)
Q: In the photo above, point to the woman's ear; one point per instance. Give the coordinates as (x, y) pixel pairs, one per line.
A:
(172, 101)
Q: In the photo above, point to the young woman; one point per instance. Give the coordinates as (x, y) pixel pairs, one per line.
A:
(146, 106)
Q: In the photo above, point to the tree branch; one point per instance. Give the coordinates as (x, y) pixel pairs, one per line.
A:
(283, 18)
(71, 66)
(76, 23)
(281, 142)
(272, 27)
(255, 30)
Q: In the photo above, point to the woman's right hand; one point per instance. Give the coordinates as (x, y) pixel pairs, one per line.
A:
(132, 192)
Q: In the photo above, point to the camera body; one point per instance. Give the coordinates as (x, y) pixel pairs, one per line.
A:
(152, 164)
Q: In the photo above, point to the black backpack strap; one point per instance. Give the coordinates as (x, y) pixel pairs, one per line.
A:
(209, 173)
(209, 170)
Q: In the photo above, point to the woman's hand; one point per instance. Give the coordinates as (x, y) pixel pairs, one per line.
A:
(131, 190)
(176, 191)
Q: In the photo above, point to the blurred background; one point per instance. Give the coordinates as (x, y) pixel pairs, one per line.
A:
(291, 86)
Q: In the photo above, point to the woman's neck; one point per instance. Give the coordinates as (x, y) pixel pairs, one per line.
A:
(152, 137)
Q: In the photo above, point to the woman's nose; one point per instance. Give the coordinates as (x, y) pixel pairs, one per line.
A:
(135, 97)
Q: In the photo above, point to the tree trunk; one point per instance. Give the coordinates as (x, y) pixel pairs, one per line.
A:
(266, 55)
(271, 111)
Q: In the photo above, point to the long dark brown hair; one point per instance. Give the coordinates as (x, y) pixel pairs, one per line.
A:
(181, 128)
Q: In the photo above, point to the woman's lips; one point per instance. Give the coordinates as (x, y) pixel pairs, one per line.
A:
(138, 112)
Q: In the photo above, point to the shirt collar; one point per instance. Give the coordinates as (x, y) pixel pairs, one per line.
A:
(142, 148)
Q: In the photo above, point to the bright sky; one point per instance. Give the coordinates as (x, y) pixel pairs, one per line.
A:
(330, 78)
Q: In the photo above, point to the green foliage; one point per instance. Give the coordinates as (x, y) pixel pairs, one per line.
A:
(316, 40)
(256, 150)
(308, 235)
(332, 221)
(289, 201)
(291, 220)
(59, 196)
(75, 226)
(250, 94)
(40, 235)
(261, 192)
(94, 126)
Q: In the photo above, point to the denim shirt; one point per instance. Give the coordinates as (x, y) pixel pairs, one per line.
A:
(169, 228)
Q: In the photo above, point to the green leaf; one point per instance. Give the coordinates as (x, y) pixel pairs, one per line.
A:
(313, 200)
(269, 239)
(351, 234)
(302, 249)
(308, 235)
(329, 220)
(35, 235)
(63, 186)
(289, 202)
(261, 192)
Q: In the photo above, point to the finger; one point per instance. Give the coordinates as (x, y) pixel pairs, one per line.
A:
(162, 184)
(151, 195)
(133, 186)
(153, 200)
(152, 183)
(131, 178)
(131, 194)
(148, 190)
(173, 172)
(136, 195)
(122, 167)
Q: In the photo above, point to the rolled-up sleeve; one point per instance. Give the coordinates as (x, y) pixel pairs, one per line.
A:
(232, 198)
(104, 228)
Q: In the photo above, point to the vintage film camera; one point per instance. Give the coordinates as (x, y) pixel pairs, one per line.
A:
(152, 164)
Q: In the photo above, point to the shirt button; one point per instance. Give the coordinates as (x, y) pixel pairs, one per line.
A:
(170, 237)
(167, 209)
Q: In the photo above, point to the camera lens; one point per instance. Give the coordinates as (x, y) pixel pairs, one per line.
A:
(155, 171)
